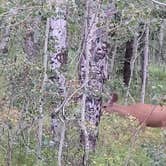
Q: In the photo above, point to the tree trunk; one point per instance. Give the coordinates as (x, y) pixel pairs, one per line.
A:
(113, 59)
(132, 64)
(9, 148)
(127, 60)
(93, 72)
(162, 39)
(41, 101)
(57, 81)
(5, 36)
(145, 63)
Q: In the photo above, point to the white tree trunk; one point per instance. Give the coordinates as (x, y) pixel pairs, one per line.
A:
(113, 59)
(145, 65)
(161, 39)
(93, 71)
(41, 102)
(58, 58)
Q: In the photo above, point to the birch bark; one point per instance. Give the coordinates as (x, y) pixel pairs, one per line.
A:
(93, 70)
(57, 60)
(145, 63)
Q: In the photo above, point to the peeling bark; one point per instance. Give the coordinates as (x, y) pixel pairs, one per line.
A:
(93, 71)
(41, 101)
(58, 54)
(57, 61)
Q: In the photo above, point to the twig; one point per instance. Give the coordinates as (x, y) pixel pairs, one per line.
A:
(18, 23)
(159, 3)
(13, 11)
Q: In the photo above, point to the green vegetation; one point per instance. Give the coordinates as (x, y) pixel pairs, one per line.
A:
(21, 81)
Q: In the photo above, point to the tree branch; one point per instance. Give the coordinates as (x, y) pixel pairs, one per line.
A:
(159, 3)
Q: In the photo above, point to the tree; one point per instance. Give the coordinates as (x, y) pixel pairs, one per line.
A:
(93, 71)
(58, 58)
(145, 63)
(127, 61)
(39, 78)
(162, 40)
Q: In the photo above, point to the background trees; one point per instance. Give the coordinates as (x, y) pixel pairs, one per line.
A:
(96, 37)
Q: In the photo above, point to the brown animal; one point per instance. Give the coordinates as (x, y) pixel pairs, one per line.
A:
(147, 114)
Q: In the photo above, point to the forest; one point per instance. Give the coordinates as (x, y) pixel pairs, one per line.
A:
(82, 82)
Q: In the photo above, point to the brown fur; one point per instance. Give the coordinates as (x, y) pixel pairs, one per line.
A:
(150, 115)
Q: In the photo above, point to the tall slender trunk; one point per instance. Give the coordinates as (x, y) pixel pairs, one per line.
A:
(58, 60)
(113, 59)
(9, 148)
(41, 102)
(93, 71)
(127, 60)
(162, 36)
(132, 64)
(145, 63)
(5, 36)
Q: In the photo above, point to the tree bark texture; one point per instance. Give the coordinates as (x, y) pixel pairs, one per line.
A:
(141, 48)
(145, 63)
(162, 40)
(93, 69)
(114, 52)
(57, 60)
(41, 100)
(4, 36)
